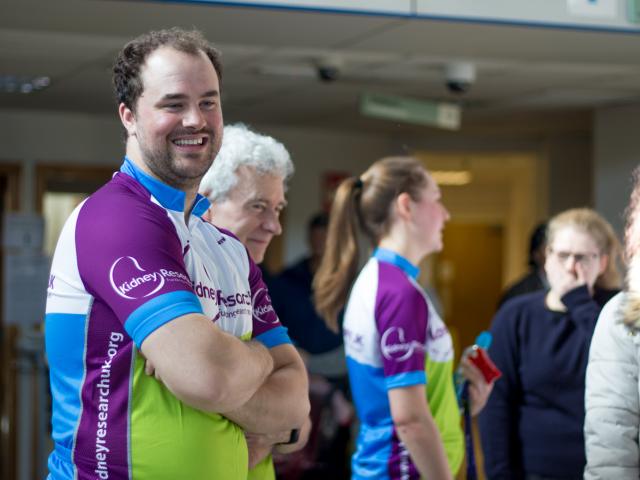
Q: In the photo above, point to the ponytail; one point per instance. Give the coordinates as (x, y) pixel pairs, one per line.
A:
(362, 204)
(339, 263)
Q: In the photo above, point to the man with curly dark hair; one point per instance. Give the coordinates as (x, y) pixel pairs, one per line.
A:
(162, 341)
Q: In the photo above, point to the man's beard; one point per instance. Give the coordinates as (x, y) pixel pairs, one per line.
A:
(177, 171)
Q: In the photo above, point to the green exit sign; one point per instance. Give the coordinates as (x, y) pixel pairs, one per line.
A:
(634, 11)
(410, 110)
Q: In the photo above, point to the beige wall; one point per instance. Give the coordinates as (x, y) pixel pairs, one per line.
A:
(617, 154)
(570, 162)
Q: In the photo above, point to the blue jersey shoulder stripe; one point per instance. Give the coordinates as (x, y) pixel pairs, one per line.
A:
(406, 379)
(158, 311)
(274, 337)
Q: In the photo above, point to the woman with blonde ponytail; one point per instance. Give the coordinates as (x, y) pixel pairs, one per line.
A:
(339, 263)
(391, 331)
(612, 400)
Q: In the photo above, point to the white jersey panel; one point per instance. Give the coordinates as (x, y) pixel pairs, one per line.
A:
(439, 346)
(70, 295)
(361, 336)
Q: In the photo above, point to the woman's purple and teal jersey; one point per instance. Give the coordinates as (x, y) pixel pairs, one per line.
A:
(394, 338)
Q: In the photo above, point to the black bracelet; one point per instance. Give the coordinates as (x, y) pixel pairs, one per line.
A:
(293, 437)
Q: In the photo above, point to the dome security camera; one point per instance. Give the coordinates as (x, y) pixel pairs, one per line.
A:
(460, 76)
(328, 73)
(329, 69)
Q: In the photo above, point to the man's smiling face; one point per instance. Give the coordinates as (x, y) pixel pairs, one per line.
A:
(177, 123)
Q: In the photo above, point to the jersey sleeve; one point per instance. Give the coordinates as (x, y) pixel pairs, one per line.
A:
(130, 258)
(266, 324)
(401, 319)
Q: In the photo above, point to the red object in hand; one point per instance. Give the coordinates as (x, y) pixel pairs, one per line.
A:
(486, 366)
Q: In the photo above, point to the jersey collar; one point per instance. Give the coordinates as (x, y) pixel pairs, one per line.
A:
(384, 255)
(169, 197)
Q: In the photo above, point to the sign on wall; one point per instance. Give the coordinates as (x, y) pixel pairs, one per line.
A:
(22, 231)
(594, 8)
(25, 288)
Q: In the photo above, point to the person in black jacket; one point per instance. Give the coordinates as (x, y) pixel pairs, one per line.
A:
(536, 278)
(291, 293)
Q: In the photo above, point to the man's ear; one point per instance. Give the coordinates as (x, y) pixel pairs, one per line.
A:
(128, 119)
(403, 206)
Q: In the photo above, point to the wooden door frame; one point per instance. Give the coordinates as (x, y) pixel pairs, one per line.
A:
(45, 172)
(12, 172)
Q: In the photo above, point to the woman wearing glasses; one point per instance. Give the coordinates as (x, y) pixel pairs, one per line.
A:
(532, 426)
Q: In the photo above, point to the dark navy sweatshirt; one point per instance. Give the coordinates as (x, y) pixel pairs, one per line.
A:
(291, 295)
(533, 421)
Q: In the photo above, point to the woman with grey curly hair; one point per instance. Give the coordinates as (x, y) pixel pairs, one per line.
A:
(246, 185)
(242, 147)
(612, 399)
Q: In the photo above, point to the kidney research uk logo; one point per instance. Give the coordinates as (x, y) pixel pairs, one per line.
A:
(394, 346)
(262, 308)
(131, 281)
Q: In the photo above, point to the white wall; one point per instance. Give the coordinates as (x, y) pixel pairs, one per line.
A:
(60, 137)
(616, 154)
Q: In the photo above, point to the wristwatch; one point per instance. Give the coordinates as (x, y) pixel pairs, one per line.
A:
(293, 437)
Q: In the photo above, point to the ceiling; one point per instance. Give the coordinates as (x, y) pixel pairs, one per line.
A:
(270, 58)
